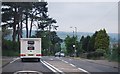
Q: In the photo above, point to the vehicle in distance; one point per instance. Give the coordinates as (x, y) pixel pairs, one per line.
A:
(59, 54)
(30, 48)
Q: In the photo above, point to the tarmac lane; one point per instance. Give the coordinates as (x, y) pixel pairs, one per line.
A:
(32, 65)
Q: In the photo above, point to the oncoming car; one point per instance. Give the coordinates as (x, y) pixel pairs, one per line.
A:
(59, 54)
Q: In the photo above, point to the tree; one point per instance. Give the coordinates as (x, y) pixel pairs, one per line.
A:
(85, 43)
(69, 42)
(10, 16)
(54, 42)
(81, 42)
(102, 40)
(91, 43)
(5, 32)
(17, 14)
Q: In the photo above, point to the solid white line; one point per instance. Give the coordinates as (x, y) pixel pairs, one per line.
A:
(54, 67)
(48, 66)
(14, 60)
(84, 70)
(72, 65)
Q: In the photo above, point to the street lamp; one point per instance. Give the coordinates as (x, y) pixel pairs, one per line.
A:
(74, 46)
(75, 30)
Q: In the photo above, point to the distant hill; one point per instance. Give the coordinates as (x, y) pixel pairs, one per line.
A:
(62, 35)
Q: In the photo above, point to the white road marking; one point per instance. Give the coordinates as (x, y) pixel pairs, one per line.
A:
(51, 67)
(14, 59)
(72, 65)
(75, 66)
(48, 66)
(62, 60)
(65, 61)
(51, 59)
(84, 70)
(54, 67)
(27, 71)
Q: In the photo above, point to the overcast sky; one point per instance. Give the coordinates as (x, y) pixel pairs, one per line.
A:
(86, 16)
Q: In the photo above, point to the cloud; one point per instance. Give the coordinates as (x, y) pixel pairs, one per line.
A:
(84, 15)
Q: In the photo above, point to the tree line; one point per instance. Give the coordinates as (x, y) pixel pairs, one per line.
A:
(51, 43)
(98, 42)
(22, 15)
(19, 16)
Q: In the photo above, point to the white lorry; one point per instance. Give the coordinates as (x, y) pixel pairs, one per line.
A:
(30, 48)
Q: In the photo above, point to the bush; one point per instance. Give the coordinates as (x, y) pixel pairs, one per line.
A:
(10, 53)
(114, 55)
(95, 55)
(9, 48)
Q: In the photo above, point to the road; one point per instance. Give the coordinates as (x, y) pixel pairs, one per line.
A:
(52, 65)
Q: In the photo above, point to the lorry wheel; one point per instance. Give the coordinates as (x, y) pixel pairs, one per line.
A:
(22, 59)
(38, 59)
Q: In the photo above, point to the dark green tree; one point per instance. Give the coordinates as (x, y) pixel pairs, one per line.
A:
(15, 14)
(81, 42)
(54, 42)
(91, 43)
(85, 43)
(69, 42)
(102, 40)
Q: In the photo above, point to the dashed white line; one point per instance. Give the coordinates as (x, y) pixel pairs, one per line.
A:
(84, 70)
(65, 61)
(72, 65)
(75, 66)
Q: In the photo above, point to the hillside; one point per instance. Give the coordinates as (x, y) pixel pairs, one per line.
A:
(62, 35)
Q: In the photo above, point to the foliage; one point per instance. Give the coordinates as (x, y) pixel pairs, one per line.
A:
(10, 48)
(102, 40)
(69, 42)
(91, 43)
(114, 55)
(17, 15)
(5, 32)
(51, 43)
(95, 46)
(86, 43)
(21, 15)
(94, 55)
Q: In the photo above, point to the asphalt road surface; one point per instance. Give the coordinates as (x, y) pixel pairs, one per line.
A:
(53, 65)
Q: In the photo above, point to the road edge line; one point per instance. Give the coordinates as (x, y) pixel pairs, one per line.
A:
(7, 63)
(14, 60)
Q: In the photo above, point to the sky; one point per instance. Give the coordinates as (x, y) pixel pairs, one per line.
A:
(85, 16)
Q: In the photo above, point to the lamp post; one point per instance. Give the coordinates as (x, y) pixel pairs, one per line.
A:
(74, 46)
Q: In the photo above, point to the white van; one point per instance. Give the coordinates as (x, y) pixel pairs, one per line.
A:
(30, 48)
